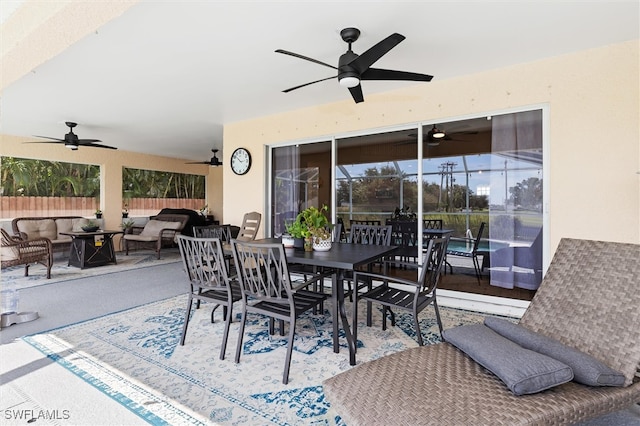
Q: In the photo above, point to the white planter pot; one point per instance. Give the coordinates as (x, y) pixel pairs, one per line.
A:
(322, 245)
(288, 241)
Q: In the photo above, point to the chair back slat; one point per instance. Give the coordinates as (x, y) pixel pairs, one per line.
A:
(371, 234)
(262, 271)
(203, 262)
(250, 226)
(222, 232)
(432, 224)
(432, 264)
(363, 222)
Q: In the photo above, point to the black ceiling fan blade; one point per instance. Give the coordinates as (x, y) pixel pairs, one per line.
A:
(356, 93)
(199, 162)
(382, 74)
(306, 58)
(366, 59)
(95, 145)
(307, 84)
(81, 141)
(48, 137)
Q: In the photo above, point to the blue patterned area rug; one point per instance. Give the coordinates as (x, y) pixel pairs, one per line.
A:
(135, 358)
(61, 271)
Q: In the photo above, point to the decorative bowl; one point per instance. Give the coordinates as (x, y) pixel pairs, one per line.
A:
(90, 228)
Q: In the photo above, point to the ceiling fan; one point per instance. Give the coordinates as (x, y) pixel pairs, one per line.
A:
(71, 140)
(352, 68)
(435, 135)
(214, 161)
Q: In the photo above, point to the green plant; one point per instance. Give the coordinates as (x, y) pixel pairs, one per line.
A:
(311, 222)
(297, 229)
(129, 223)
(316, 222)
(98, 211)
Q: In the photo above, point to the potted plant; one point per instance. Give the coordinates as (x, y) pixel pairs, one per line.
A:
(298, 231)
(98, 214)
(318, 227)
(125, 211)
(127, 226)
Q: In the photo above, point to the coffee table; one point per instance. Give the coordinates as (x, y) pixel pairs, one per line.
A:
(90, 249)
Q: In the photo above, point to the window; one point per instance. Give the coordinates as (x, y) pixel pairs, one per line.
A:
(146, 192)
(485, 170)
(48, 188)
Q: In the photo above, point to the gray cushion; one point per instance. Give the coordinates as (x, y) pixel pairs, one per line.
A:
(586, 369)
(522, 370)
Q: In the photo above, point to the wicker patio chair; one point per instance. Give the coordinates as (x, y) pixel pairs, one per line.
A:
(16, 251)
(206, 268)
(588, 300)
(158, 231)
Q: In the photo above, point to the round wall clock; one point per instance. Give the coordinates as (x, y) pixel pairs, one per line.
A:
(240, 161)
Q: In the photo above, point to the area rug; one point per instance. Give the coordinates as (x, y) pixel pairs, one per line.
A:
(62, 272)
(135, 357)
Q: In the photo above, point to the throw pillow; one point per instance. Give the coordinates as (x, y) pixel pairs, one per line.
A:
(586, 369)
(522, 370)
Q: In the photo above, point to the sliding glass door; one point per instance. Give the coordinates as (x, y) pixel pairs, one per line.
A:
(482, 170)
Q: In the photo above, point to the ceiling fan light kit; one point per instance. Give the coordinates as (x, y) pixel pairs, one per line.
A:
(353, 68)
(436, 133)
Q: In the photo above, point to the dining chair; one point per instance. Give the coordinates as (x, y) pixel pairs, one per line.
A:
(206, 269)
(249, 227)
(223, 232)
(267, 289)
(472, 253)
(404, 294)
(432, 224)
(366, 234)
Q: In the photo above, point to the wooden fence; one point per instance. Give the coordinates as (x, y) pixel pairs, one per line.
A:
(11, 207)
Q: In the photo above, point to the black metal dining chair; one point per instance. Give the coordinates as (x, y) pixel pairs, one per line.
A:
(414, 297)
(204, 264)
(267, 290)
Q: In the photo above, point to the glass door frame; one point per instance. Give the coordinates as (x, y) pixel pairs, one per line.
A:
(418, 127)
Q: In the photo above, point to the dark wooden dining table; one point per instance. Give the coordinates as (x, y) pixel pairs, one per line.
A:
(342, 257)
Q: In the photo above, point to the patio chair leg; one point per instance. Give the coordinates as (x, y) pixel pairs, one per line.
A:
(186, 321)
(287, 363)
(438, 319)
(416, 323)
(243, 320)
(227, 324)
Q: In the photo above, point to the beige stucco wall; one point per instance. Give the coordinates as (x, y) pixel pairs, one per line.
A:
(593, 98)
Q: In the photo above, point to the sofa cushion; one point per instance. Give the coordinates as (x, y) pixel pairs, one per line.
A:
(586, 369)
(522, 370)
(153, 227)
(41, 228)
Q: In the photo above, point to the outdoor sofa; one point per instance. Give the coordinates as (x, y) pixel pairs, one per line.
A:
(588, 303)
(34, 228)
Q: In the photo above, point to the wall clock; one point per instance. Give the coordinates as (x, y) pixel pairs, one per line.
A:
(240, 161)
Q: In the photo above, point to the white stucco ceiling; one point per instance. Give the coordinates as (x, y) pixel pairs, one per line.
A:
(165, 77)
